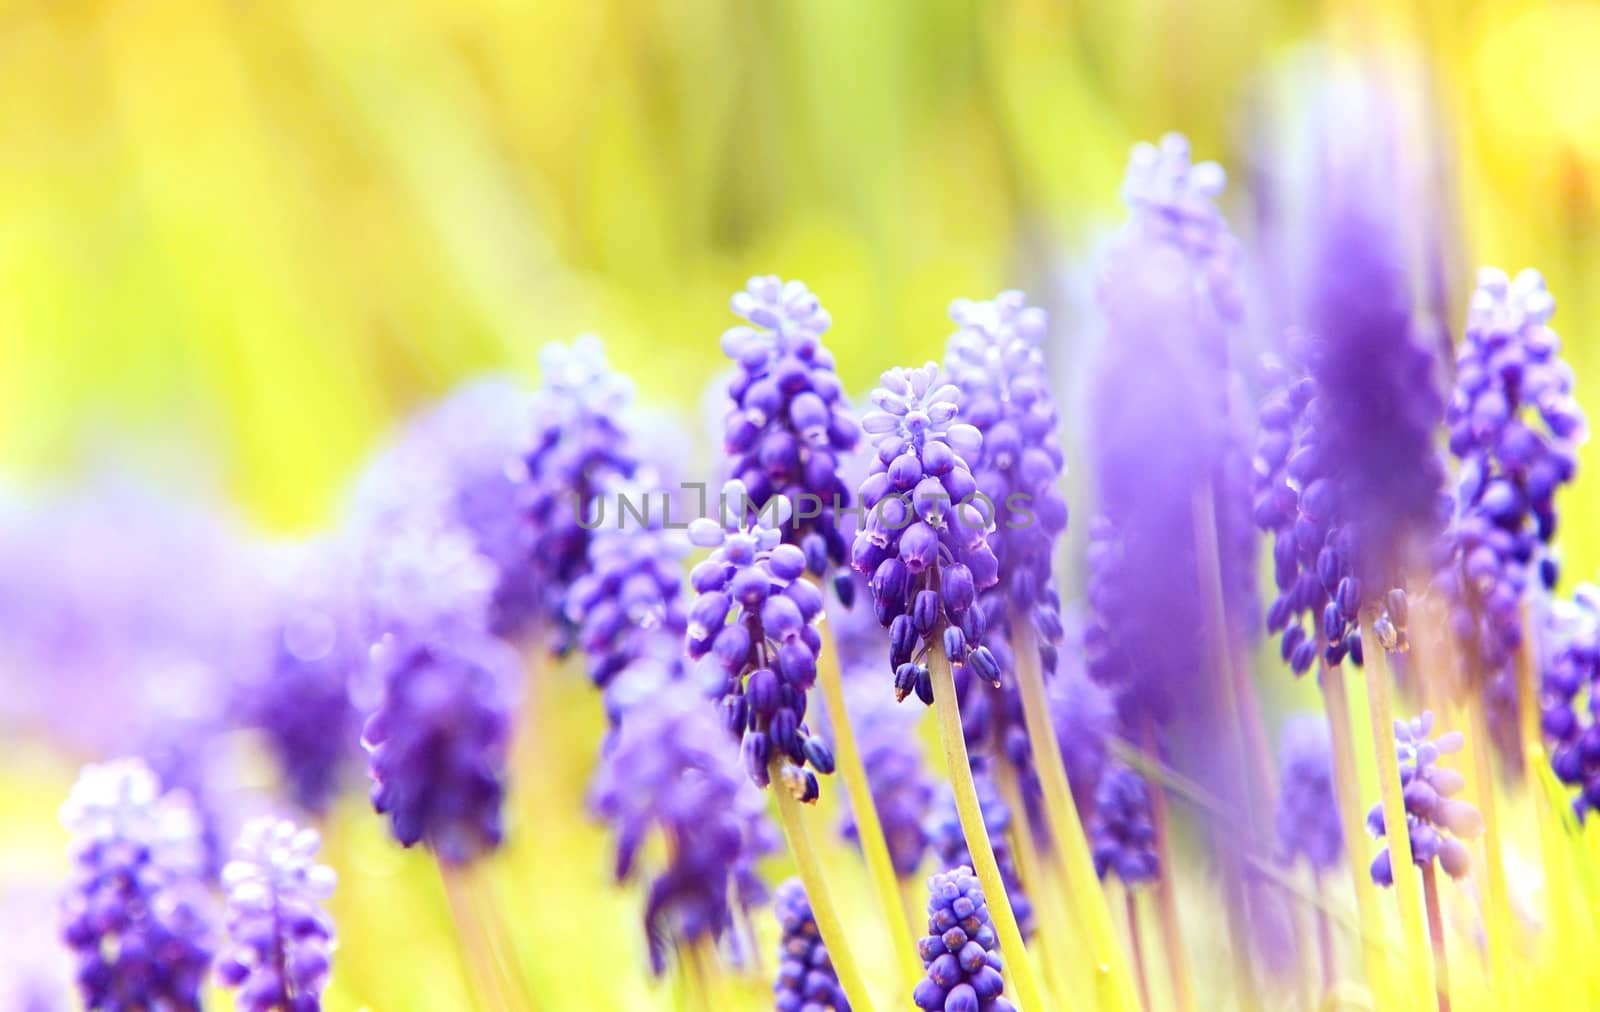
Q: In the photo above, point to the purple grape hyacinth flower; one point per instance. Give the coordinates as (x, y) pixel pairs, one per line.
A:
(902, 791)
(132, 915)
(1167, 438)
(281, 938)
(1569, 678)
(1436, 820)
(438, 742)
(756, 615)
(1308, 809)
(950, 843)
(1516, 429)
(924, 543)
(1122, 836)
(670, 770)
(960, 951)
(806, 979)
(789, 426)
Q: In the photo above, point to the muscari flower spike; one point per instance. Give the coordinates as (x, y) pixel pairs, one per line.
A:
(789, 427)
(438, 742)
(1515, 428)
(669, 770)
(960, 951)
(1122, 837)
(902, 791)
(1436, 820)
(281, 938)
(580, 450)
(925, 543)
(949, 843)
(1570, 676)
(132, 916)
(756, 615)
(806, 980)
(1308, 810)
(1168, 430)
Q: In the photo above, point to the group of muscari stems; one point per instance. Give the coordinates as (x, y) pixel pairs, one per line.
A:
(928, 572)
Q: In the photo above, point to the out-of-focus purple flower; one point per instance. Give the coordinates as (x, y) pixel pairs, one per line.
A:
(131, 913)
(1516, 429)
(581, 450)
(1348, 478)
(806, 979)
(1164, 401)
(756, 615)
(925, 541)
(1569, 677)
(1122, 836)
(902, 791)
(423, 582)
(1308, 810)
(630, 595)
(960, 951)
(950, 844)
(671, 770)
(438, 741)
(315, 645)
(1436, 820)
(281, 940)
(789, 424)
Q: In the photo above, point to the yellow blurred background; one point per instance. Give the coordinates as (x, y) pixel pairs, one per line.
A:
(250, 235)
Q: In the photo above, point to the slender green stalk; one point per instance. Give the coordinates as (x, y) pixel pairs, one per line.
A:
(1441, 968)
(1085, 898)
(1166, 894)
(958, 768)
(847, 759)
(1052, 936)
(1336, 701)
(1131, 904)
(1396, 830)
(840, 952)
(485, 974)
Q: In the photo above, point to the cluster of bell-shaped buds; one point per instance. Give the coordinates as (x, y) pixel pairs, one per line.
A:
(1569, 676)
(1437, 821)
(281, 939)
(790, 427)
(1122, 835)
(756, 614)
(1515, 428)
(960, 951)
(950, 844)
(806, 980)
(925, 541)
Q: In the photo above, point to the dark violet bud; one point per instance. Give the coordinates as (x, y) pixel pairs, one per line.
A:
(818, 755)
(806, 981)
(1435, 819)
(281, 938)
(955, 642)
(132, 912)
(960, 951)
(925, 612)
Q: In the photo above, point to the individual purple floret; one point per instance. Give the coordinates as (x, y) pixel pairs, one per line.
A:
(1167, 441)
(671, 771)
(902, 791)
(1348, 478)
(806, 979)
(438, 741)
(1516, 429)
(281, 940)
(1570, 675)
(789, 425)
(1308, 810)
(580, 451)
(996, 359)
(960, 950)
(630, 595)
(950, 844)
(1436, 820)
(131, 915)
(756, 615)
(924, 543)
(1122, 836)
